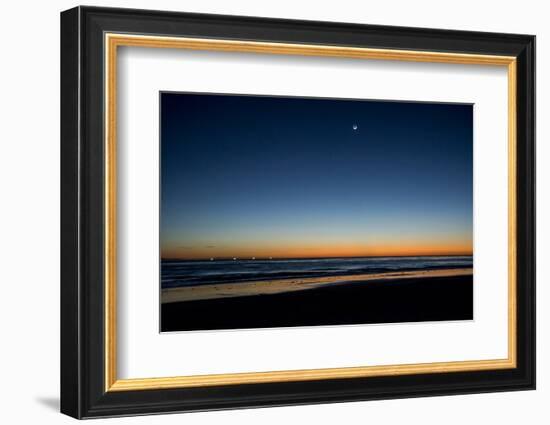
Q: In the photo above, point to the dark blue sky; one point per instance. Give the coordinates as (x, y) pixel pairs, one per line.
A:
(290, 177)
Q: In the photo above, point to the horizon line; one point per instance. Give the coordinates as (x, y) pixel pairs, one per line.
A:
(462, 254)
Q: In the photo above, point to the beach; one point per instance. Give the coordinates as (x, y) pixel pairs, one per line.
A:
(277, 286)
(387, 297)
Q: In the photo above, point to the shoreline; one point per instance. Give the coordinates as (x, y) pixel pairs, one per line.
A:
(279, 286)
(399, 300)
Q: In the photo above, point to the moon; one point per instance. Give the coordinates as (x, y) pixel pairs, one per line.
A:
(355, 126)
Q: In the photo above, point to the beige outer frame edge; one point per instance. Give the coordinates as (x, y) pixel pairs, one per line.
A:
(113, 41)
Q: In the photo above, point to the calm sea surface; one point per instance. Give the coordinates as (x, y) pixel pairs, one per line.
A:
(175, 273)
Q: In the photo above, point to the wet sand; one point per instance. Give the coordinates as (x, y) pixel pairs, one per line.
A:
(389, 299)
(277, 286)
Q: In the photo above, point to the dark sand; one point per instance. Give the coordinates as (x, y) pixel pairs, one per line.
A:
(375, 301)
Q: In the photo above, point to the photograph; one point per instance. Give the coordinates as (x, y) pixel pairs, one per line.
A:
(280, 211)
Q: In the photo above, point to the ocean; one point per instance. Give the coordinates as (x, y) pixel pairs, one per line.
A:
(179, 273)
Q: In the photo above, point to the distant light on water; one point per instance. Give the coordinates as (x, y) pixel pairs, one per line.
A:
(355, 126)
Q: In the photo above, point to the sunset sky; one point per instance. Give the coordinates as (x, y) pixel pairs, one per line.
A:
(250, 176)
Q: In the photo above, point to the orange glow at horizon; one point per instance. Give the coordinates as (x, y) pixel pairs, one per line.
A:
(320, 251)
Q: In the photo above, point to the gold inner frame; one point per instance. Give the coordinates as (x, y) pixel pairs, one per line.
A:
(113, 41)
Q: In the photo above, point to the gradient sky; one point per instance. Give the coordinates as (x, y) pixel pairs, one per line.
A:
(245, 176)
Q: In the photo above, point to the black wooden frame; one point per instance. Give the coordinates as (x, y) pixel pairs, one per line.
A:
(82, 216)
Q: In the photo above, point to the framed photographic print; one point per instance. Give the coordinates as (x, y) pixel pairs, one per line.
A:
(261, 212)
